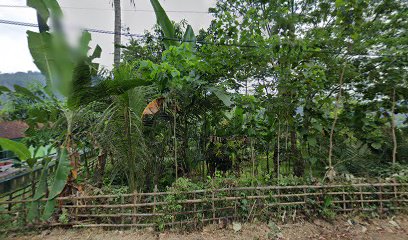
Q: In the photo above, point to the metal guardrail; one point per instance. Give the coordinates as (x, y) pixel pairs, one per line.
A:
(22, 179)
(25, 178)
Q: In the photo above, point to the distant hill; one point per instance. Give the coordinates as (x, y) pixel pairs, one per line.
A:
(23, 79)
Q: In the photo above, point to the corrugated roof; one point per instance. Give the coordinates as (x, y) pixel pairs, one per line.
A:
(13, 129)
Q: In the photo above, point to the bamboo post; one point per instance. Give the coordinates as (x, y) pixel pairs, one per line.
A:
(380, 198)
(202, 209)
(395, 193)
(134, 219)
(154, 201)
(195, 211)
(76, 210)
(235, 205)
(213, 206)
(122, 201)
(344, 200)
(361, 198)
(155, 198)
(305, 196)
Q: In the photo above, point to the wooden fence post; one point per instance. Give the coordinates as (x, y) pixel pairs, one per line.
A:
(154, 201)
(360, 189)
(122, 201)
(155, 198)
(134, 218)
(396, 200)
(235, 205)
(380, 198)
(76, 209)
(305, 195)
(195, 211)
(344, 200)
(213, 206)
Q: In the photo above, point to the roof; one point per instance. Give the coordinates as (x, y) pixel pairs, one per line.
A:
(13, 129)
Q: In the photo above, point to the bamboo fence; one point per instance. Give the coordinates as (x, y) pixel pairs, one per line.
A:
(196, 208)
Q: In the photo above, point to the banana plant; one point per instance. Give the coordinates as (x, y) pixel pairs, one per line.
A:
(69, 72)
(175, 91)
(170, 37)
(189, 40)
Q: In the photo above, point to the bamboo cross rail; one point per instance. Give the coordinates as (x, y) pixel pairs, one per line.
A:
(195, 208)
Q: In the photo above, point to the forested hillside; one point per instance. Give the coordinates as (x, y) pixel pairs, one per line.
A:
(23, 79)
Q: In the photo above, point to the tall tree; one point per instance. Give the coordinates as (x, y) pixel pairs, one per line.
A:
(118, 29)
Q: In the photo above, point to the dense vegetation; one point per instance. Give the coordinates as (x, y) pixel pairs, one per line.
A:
(271, 91)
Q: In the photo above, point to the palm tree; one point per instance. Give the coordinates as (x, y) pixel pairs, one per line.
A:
(117, 37)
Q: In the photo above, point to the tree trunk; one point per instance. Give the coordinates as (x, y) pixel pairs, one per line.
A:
(118, 30)
(335, 119)
(299, 165)
(394, 137)
(130, 156)
(175, 142)
(267, 159)
(252, 157)
(185, 165)
(275, 159)
(101, 168)
(276, 155)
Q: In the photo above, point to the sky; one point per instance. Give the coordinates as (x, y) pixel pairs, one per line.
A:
(97, 14)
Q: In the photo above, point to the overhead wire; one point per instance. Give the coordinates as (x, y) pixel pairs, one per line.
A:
(92, 30)
(109, 9)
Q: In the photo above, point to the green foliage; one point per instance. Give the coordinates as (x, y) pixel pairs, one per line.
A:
(19, 149)
(40, 192)
(165, 24)
(184, 184)
(63, 217)
(250, 101)
(327, 209)
(61, 174)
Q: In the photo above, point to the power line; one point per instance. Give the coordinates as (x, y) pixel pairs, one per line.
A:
(109, 9)
(196, 41)
(85, 29)
(127, 34)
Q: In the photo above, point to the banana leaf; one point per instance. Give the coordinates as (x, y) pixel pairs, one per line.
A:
(61, 175)
(58, 184)
(40, 192)
(19, 149)
(165, 24)
(45, 8)
(189, 37)
(222, 95)
(48, 209)
(52, 58)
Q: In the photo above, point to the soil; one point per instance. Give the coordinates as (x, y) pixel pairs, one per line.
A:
(357, 228)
